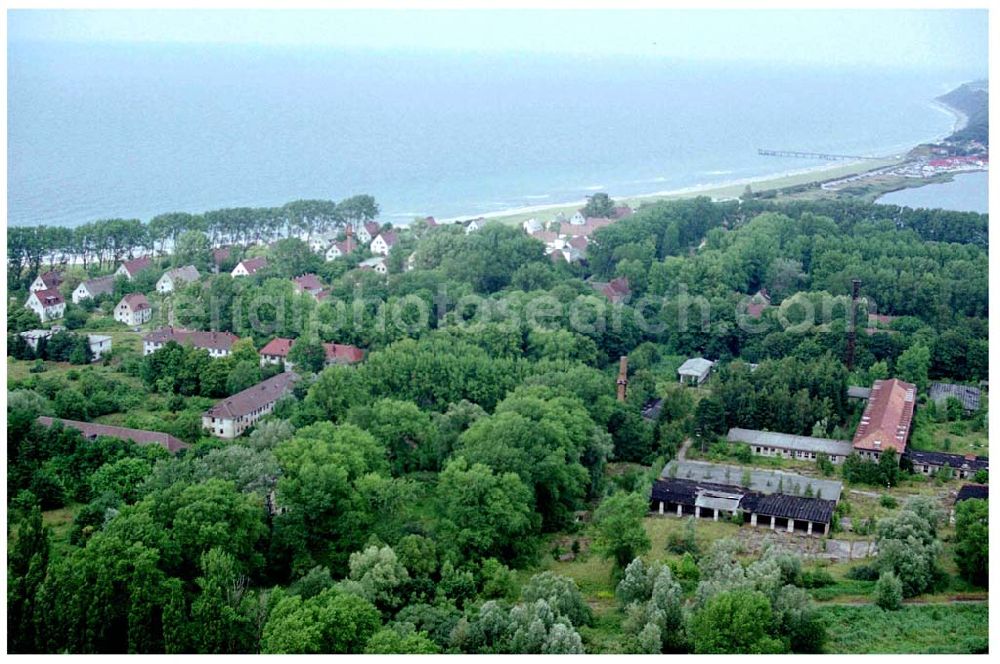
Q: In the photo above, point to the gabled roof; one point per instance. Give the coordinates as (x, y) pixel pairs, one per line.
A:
(137, 265)
(886, 421)
(221, 254)
(135, 301)
(100, 285)
(139, 436)
(252, 398)
(431, 222)
(588, 227)
(789, 441)
(307, 282)
(696, 366)
(389, 237)
(621, 211)
(187, 273)
(278, 347)
(346, 246)
(197, 338)
(373, 228)
(48, 298)
(343, 353)
(51, 279)
(252, 265)
(615, 290)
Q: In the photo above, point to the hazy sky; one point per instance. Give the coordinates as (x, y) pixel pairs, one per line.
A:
(951, 39)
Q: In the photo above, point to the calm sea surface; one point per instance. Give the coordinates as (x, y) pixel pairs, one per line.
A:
(966, 193)
(132, 131)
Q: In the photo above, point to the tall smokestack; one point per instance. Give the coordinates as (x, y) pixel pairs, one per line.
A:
(622, 377)
(852, 328)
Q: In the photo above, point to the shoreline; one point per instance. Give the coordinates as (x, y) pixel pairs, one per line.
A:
(725, 190)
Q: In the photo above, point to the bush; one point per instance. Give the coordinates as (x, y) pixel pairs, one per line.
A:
(889, 592)
(817, 578)
(888, 501)
(684, 541)
(863, 573)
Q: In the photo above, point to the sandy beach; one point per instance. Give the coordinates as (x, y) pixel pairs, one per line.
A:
(724, 190)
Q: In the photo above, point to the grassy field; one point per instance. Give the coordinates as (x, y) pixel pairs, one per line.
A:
(958, 437)
(912, 629)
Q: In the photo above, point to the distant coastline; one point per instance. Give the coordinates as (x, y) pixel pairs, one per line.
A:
(731, 188)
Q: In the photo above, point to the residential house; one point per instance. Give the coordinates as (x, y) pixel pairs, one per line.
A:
(129, 269)
(474, 225)
(175, 278)
(620, 212)
(91, 431)
(219, 256)
(99, 345)
(532, 226)
(48, 304)
(367, 231)
(578, 219)
(50, 280)
(249, 266)
(588, 227)
(307, 283)
(694, 371)
(887, 419)
(93, 288)
(232, 416)
(133, 310)
(342, 354)
(218, 344)
(758, 303)
(377, 263)
(33, 337)
(616, 290)
(276, 351)
(342, 248)
(384, 243)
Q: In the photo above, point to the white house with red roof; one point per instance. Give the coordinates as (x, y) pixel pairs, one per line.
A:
(249, 266)
(276, 351)
(94, 288)
(341, 249)
(48, 304)
(367, 231)
(307, 283)
(232, 416)
(218, 344)
(129, 269)
(384, 243)
(887, 419)
(133, 310)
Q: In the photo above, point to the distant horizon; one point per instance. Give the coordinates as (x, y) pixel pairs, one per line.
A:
(809, 37)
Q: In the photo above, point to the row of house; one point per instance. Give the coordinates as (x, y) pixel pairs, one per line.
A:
(568, 240)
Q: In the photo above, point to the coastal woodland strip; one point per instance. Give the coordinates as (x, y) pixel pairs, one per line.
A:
(474, 485)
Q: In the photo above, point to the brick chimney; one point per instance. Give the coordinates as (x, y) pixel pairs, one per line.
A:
(622, 377)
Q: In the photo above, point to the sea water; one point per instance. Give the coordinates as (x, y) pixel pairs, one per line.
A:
(115, 130)
(967, 192)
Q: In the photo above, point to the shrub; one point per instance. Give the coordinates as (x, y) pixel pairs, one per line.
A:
(888, 501)
(817, 578)
(889, 592)
(684, 541)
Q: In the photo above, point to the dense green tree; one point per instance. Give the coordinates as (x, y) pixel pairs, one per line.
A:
(331, 622)
(972, 541)
(620, 534)
(735, 622)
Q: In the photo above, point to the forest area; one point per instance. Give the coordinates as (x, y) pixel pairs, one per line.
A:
(474, 485)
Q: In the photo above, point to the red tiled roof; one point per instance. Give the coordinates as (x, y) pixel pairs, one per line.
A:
(308, 282)
(616, 290)
(389, 237)
(580, 242)
(49, 298)
(197, 338)
(431, 221)
(881, 319)
(756, 309)
(343, 353)
(621, 211)
(278, 347)
(373, 228)
(136, 301)
(591, 225)
(347, 246)
(137, 265)
(252, 398)
(52, 279)
(221, 254)
(139, 436)
(888, 416)
(253, 264)
(545, 236)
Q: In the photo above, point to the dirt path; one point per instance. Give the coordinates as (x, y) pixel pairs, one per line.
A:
(909, 602)
(685, 446)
